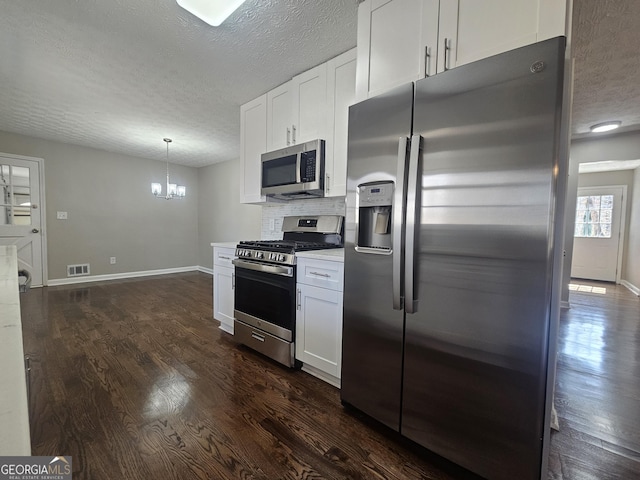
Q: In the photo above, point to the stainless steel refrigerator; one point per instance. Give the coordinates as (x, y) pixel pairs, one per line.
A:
(453, 256)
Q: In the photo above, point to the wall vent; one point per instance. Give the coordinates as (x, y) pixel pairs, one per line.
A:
(77, 270)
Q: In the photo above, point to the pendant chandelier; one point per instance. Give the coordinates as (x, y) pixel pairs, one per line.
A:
(173, 190)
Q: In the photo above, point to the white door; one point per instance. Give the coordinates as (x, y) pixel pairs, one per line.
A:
(21, 212)
(596, 244)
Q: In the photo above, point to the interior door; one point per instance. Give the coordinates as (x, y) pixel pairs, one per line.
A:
(596, 244)
(20, 213)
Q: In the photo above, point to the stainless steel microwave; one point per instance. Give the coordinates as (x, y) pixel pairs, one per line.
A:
(294, 172)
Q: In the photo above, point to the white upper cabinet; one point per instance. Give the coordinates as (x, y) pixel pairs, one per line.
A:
(253, 143)
(470, 30)
(341, 94)
(397, 42)
(279, 118)
(400, 41)
(309, 103)
(296, 109)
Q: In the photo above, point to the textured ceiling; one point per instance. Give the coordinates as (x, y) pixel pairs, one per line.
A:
(120, 75)
(606, 47)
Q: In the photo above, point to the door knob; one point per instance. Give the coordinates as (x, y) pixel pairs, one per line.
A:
(35, 230)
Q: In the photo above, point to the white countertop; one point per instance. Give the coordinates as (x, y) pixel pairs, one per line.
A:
(331, 254)
(224, 244)
(14, 412)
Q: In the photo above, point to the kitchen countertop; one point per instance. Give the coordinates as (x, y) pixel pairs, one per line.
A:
(224, 244)
(14, 412)
(331, 254)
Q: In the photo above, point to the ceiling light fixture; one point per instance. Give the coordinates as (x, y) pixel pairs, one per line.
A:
(214, 12)
(605, 126)
(173, 190)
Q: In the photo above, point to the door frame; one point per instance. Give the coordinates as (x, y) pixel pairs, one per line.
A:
(623, 221)
(42, 208)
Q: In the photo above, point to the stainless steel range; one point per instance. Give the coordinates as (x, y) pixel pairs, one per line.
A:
(265, 283)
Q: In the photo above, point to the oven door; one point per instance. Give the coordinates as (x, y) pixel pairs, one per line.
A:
(265, 297)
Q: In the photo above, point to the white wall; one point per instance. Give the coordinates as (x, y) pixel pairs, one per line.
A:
(624, 146)
(632, 263)
(222, 218)
(111, 209)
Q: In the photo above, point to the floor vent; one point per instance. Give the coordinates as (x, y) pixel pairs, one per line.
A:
(77, 270)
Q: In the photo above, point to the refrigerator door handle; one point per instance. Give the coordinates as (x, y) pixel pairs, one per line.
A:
(398, 223)
(412, 223)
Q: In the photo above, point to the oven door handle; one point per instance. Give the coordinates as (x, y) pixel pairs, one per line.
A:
(264, 267)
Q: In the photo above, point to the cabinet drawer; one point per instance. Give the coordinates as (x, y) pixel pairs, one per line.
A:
(223, 256)
(321, 273)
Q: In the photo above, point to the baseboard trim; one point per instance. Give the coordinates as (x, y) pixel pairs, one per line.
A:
(119, 276)
(565, 305)
(205, 270)
(635, 290)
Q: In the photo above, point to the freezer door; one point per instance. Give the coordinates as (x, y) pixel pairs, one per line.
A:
(372, 340)
(476, 346)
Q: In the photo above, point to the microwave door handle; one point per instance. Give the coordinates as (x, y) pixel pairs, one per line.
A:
(298, 176)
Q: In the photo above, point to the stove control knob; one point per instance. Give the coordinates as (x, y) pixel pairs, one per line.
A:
(259, 255)
(281, 258)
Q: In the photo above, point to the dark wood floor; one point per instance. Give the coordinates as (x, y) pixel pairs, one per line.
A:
(598, 386)
(133, 379)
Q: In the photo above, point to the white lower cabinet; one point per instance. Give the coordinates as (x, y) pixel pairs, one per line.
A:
(223, 287)
(319, 318)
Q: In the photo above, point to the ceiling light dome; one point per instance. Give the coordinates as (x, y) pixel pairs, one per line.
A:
(605, 126)
(214, 12)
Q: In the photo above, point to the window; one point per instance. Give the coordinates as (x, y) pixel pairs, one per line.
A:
(15, 198)
(593, 216)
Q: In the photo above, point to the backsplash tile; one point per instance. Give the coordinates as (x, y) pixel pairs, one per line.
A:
(315, 206)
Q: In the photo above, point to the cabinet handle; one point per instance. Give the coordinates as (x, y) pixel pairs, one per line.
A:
(427, 60)
(223, 257)
(293, 134)
(288, 136)
(298, 304)
(328, 183)
(446, 53)
(326, 275)
(233, 281)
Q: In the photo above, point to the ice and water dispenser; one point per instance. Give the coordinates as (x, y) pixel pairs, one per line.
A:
(374, 215)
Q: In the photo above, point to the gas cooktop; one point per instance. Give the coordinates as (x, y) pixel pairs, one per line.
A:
(300, 234)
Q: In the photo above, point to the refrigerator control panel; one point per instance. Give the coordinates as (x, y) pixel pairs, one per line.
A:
(376, 195)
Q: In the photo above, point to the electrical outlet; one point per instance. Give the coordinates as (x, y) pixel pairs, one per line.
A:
(112, 260)
(61, 215)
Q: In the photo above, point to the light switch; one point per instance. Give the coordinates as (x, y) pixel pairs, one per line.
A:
(62, 216)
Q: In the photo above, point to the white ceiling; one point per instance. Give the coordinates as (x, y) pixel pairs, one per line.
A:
(120, 75)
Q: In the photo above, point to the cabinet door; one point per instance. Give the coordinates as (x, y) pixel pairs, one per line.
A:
(253, 143)
(470, 30)
(279, 119)
(397, 42)
(319, 329)
(309, 99)
(223, 302)
(341, 93)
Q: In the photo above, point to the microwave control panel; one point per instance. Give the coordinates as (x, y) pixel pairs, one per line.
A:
(308, 166)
